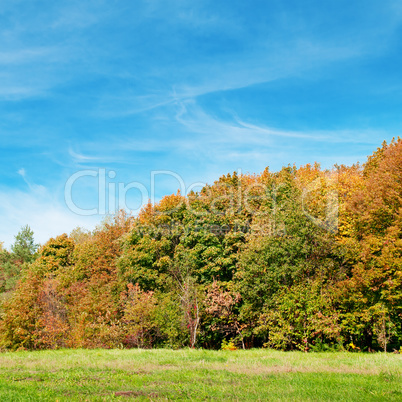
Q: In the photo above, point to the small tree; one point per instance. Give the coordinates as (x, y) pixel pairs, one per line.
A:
(24, 247)
(384, 328)
(22, 252)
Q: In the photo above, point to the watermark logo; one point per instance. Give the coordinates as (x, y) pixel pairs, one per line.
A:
(251, 197)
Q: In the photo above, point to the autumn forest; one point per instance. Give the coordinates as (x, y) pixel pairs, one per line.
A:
(300, 259)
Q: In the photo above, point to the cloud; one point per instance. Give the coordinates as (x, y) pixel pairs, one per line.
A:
(41, 211)
(238, 143)
(238, 132)
(42, 208)
(80, 158)
(28, 55)
(255, 67)
(17, 92)
(137, 87)
(35, 188)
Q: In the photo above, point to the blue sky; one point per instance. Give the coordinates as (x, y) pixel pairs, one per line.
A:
(199, 88)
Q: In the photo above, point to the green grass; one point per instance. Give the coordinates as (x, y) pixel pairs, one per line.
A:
(104, 375)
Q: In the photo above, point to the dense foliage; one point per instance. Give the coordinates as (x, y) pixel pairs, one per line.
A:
(303, 258)
(23, 252)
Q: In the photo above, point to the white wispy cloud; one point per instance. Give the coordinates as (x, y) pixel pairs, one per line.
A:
(41, 208)
(18, 92)
(255, 67)
(28, 55)
(271, 57)
(79, 157)
(150, 66)
(237, 131)
(46, 217)
(35, 188)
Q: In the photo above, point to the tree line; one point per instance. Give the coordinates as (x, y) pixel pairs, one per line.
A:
(304, 258)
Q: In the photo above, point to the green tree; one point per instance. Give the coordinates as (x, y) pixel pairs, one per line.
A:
(23, 251)
(24, 247)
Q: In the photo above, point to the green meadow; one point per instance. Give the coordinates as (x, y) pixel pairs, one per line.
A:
(160, 374)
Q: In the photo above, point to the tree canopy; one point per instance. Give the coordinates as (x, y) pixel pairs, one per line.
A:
(303, 258)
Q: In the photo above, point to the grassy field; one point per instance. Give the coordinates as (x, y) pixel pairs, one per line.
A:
(103, 375)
